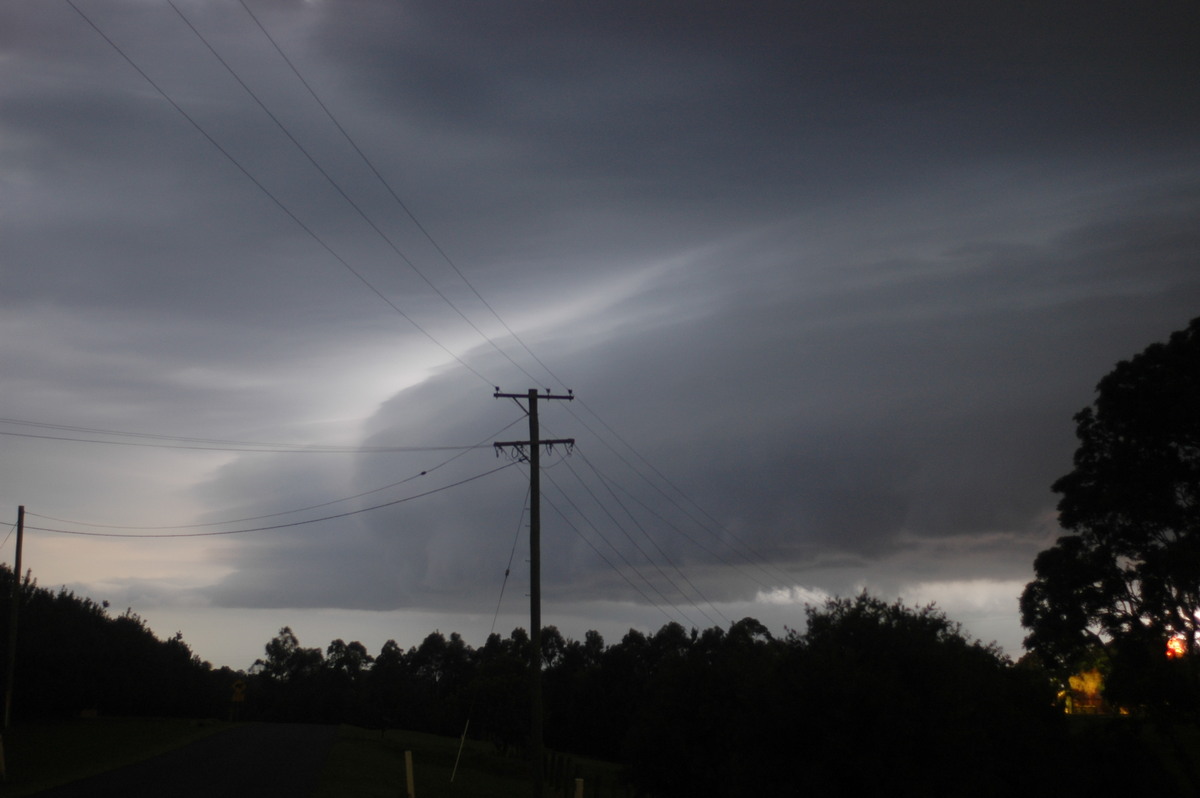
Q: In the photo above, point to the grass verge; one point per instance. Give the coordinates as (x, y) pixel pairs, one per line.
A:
(366, 764)
(39, 756)
(362, 763)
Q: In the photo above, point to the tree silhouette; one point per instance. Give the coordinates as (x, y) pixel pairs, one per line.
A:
(73, 657)
(1128, 575)
(350, 659)
(286, 660)
(898, 700)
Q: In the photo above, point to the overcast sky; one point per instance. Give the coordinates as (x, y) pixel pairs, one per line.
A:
(828, 280)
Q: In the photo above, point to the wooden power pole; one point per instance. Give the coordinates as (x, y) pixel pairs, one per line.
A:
(532, 449)
(11, 665)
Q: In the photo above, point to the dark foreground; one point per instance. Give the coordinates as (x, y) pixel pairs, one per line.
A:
(261, 760)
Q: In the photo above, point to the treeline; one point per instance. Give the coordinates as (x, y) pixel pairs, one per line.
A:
(75, 658)
(870, 699)
(870, 692)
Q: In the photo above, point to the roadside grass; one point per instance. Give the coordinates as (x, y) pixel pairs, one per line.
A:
(365, 764)
(42, 755)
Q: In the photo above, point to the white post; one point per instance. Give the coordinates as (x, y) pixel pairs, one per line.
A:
(578, 788)
(408, 770)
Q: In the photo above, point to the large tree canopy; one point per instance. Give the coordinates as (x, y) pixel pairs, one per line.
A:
(1129, 573)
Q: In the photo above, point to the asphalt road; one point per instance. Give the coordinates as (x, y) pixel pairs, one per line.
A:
(261, 760)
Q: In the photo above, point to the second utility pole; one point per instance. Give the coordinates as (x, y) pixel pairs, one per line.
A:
(535, 555)
(11, 663)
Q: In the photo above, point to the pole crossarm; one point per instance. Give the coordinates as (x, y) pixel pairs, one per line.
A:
(549, 443)
(569, 396)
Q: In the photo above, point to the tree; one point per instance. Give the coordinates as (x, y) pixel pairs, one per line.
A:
(1128, 575)
(350, 659)
(885, 699)
(72, 656)
(874, 698)
(286, 660)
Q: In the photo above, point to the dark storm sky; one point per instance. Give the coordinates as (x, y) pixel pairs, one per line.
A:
(829, 281)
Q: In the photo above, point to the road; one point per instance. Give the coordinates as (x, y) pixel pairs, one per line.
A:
(260, 760)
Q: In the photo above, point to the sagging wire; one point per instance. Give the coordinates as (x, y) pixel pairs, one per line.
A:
(495, 617)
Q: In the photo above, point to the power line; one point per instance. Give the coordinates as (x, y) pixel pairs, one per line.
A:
(416, 222)
(607, 561)
(715, 554)
(411, 216)
(337, 186)
(190, 439)
(649, 583)
(754, 557)
(511, 556)
(279, 203)
(429, 237)
(252, 448)
(285, 512)
(620, 527)
(654, 543)
(275, 526)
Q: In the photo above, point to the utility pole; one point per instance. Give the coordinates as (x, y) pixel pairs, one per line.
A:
(11, 667)
(532, 453)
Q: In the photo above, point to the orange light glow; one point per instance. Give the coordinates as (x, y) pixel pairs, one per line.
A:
(1084, 696)
(1088, 684)
(1176, 648)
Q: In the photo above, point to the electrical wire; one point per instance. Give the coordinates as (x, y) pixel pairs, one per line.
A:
(216, 444)
(605, 482)
(698, 544)
(337, 186)
(495, 617)
(412, 217)
(511, 556)
(287, 449)
(275, 526)
(416, 222)
(429, 237)
(649, 583)
(620, 527)
(424, 232)
(747, 552)
(607, 561)
(283, 512)
(278, 202)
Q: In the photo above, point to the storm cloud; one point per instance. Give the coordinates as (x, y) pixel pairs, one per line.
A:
(828, 282)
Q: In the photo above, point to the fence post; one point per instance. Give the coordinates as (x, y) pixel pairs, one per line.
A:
(408, 771)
